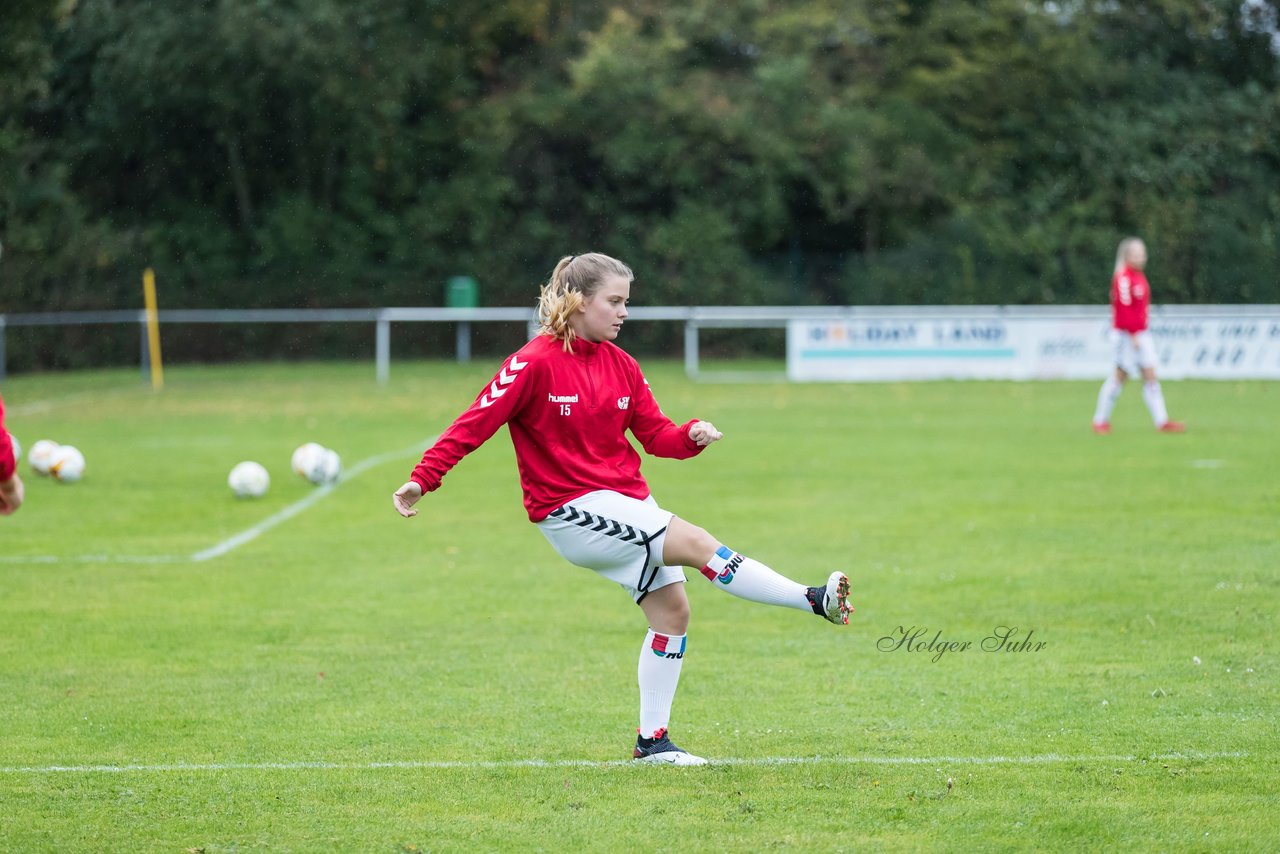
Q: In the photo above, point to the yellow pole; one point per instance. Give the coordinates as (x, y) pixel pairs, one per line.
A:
(153, 327)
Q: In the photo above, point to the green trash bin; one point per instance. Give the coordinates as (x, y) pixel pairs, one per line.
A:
(461, 292)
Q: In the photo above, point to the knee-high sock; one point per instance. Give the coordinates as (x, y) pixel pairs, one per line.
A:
(1107, 396)
(658, 674)
(1154, 397)
(749, 579)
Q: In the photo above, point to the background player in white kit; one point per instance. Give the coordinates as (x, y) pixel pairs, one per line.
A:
(568, 397)
(1130, 299)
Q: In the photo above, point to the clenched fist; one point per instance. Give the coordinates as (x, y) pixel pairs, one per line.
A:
(704, 433)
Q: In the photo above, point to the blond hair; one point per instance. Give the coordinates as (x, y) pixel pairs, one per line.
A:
(574, 280)
(1122, 253)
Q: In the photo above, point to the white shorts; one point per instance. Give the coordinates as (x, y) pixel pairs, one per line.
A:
(619, 537)
(1133, 351)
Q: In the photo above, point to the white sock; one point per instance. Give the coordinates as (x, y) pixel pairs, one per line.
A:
(1154, 397)
(1107, 397)
(658, 674)
(749, 579)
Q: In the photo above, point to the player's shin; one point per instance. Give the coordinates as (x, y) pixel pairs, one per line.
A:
(749, 579)
(1154, 399)
(658, 674)
(1107, 397)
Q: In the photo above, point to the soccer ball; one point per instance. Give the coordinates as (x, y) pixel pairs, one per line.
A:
(316, 463)
(67, 464)
(306, 459)
(41, 455)
(249, 480)
(330, 468)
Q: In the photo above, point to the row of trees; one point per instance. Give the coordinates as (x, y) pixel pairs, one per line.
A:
(329, 152)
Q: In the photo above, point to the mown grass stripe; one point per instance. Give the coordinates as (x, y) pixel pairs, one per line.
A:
(1041, 759)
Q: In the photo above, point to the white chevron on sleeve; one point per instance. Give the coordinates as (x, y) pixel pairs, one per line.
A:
(505, 380)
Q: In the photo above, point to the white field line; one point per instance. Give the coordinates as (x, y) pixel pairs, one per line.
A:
(1041, 759)
(93, 559)
(298, 506)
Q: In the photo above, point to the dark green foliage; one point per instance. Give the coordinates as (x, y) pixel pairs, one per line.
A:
(330, 153)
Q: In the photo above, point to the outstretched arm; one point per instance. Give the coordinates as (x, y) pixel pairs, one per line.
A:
(494, 406)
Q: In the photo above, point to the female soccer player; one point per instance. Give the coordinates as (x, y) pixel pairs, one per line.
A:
(1130, 298)
(568, 397)
(11, 491)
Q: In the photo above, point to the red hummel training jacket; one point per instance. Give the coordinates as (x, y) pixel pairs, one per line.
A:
(1130, 297)
(7, 462)
(568, 415)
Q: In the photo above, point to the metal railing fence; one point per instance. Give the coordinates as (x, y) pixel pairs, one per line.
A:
(694, 319)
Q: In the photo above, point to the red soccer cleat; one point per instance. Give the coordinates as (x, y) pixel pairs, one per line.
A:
(1172, 427)
(1103, 429)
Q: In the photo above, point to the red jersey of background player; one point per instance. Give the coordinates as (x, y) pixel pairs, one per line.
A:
(1130, 297)
(568, 414)
(7, 463)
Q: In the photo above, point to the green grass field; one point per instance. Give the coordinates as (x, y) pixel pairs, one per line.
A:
(352, 681)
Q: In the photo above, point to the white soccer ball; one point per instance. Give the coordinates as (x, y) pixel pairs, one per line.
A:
(67, 464)
(306, 460)
(249, 480)
(17, 448)
(329, 469)
(41, 455)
